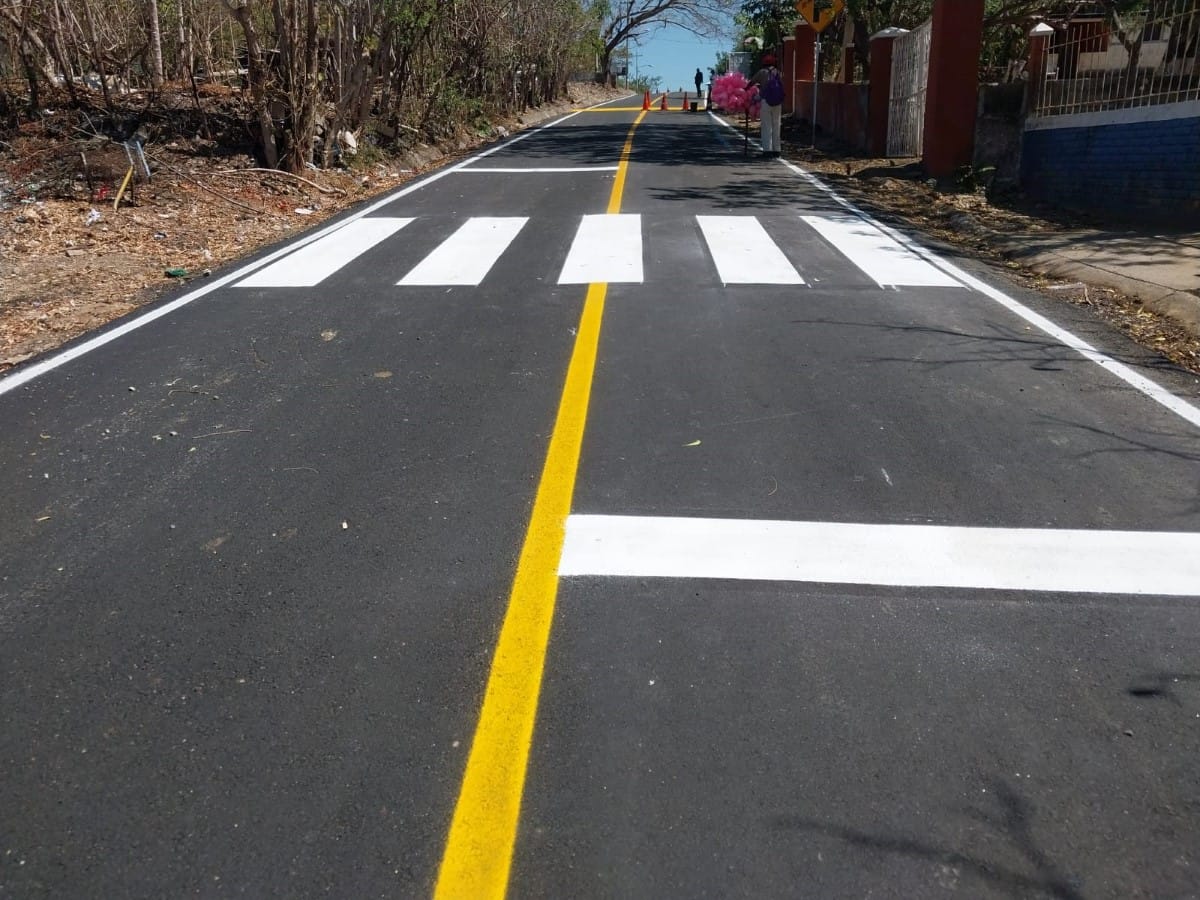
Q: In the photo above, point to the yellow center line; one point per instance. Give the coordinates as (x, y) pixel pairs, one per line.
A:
(483, 832)
(614, 200)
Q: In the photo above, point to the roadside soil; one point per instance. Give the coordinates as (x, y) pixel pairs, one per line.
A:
(976, 222)
(72, 259)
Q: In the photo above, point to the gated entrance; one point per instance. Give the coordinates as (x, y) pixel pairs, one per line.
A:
(910, 80)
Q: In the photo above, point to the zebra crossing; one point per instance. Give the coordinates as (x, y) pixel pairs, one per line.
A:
(744, 253)
(486, 239)
(310, 265)
(606, 249)
(611, 249)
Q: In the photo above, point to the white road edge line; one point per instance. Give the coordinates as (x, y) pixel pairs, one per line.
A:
(472, 170)
(1023, 559)
(1160, 395)
(24, 376)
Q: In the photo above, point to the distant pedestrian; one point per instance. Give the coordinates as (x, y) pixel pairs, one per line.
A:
(699, 79)
(770, 89)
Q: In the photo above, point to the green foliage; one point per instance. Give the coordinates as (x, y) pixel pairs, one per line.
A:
(771, 20)
(876, 15)
(651, 83)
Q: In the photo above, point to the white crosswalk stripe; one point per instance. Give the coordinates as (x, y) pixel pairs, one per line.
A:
(886, 262)
(312, 264)
(744, 253)
(468, 255)
(606, 249)
(610, 249)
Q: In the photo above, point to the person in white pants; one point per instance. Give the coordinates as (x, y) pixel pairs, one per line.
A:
(770, 89)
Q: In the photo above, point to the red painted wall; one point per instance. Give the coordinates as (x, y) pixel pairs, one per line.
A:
(841, 111)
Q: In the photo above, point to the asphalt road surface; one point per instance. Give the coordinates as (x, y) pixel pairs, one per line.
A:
(612, 514)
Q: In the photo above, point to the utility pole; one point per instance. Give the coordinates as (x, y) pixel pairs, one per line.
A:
(816, 83)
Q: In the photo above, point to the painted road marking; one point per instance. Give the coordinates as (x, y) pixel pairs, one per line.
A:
(744, 253)
(312, 264)
(540, 171)
(468, 255)
(479, 848)
(1021, 559)
(669, 108)
(607, 249)
(883, 260)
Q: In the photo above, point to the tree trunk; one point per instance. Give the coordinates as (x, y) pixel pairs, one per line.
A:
(97, 56)
(256, 75)
(31, 75)
(156, 58)
(29, 46)
(296, 26)
(59, 52)
(8, 109)
(1132, 45)
(186, 62)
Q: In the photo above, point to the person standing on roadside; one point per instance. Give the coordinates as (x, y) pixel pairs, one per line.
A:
(699, 79)
(770, 89)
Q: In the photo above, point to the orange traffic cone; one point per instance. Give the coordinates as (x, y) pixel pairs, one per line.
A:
(664, 102)
(684, 106)
(646, 100)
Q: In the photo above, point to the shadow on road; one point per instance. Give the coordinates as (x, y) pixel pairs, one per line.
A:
(1012, 817)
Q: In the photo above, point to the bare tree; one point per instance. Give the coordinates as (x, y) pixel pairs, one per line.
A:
(400, 69)
(627, 20)
(156, 54)
(256, 78)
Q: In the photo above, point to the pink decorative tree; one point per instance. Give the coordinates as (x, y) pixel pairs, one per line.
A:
(734, 93)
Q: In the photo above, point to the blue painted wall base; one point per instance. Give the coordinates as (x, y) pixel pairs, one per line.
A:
(1137, 170)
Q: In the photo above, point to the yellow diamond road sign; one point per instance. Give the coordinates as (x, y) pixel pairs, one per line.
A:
(820, 13)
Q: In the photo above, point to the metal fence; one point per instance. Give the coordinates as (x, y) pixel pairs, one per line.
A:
(910, 80)
(1144, 58)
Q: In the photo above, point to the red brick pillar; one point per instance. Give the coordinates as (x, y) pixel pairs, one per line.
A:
(952, 97)
(806, 40)
(879, 94)
(1035, 68)
(787, 65)
(803, 46)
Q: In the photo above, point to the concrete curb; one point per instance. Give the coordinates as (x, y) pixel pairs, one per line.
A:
(1182, 306)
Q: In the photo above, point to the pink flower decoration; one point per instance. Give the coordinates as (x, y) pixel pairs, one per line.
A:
(735, 94)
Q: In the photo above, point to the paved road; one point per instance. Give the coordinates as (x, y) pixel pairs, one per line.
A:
(870, 585)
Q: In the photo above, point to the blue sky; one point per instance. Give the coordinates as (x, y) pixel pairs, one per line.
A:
(673, 54)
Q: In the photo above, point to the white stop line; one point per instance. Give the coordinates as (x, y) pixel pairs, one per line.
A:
(1024, 559)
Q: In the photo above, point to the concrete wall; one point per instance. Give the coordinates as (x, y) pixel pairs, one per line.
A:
(999, 128)
(1141, 163)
